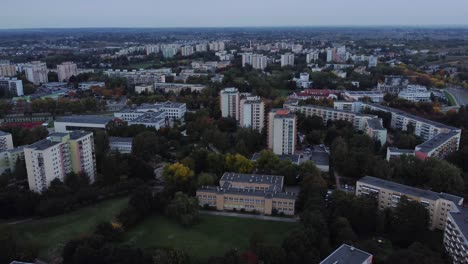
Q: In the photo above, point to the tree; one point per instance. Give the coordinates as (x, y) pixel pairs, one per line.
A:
(238, 163)
(205, 179)
(184, 209)
(416, 253)
(178, 175)
(410, 222)
(342, 232)
(145, 145)
(267, 161)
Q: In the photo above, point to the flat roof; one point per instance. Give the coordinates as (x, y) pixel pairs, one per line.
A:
(402, 151)
(79, 134)
(89, 119)
(408, 190)
(2, 133)
(320, 158)
(150, 117)
(346, 254)
(461, 219)
(436, 141)
(120, 139)
(252, 178)
(43, 144)
(375, 124)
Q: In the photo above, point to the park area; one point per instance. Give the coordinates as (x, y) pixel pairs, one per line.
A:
(212, 236)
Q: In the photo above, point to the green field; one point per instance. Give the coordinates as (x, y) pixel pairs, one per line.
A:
(213, 236)
(452, 100)
(53, 232)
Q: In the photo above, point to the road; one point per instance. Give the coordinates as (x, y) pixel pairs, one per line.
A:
(460, 94)
(252, 216)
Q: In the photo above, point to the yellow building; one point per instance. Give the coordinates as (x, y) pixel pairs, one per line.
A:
(249, 192)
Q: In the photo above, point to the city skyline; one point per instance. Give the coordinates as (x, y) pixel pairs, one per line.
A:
(209, 13)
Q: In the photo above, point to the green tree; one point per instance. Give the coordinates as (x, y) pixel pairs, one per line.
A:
(184, 209)
(410, 222)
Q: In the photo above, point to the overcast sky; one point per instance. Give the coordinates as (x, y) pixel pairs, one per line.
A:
(226, 13)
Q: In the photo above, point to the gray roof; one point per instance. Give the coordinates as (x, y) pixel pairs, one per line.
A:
(407, 190)
(4, 134)
(375, 124)
(91, 119)
(461, 219)
(253, 178)
(149, 117)
(43, 144)
(120, 139)
(320, 158)
(401, 151)
(346, 254)
(79, 134)
(436, 141)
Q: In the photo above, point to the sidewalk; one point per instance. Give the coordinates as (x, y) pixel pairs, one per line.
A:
(252, 216)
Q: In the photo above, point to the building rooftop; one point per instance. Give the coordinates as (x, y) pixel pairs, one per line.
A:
(436, 141)
(320, 158)
(89, 119)
(79, 134)
(375, 124)
(253, 178)
(346, 254)
(149, 117)
(43, 144)
(4, 134)
(365, 93)
(120, 140)
(402, 151)
(412, 191)
(460, 217)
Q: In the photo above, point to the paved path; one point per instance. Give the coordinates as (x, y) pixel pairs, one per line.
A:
(251, 216)
(460, 95)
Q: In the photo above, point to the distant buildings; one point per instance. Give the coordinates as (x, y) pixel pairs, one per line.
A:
(374, 96)
(186, 50)
(169, 51)
(173, 111)
(11, 87)
(151, 49)
(346, 254)
(249, 192)
(147, 88)
(66, 70)
(176, 88)
(230, 102)
(6, 141)
(388, 194)
(142, 76)
(8, 154)
(415, 93)
(282, 131)
(216, 46)
(317, 94)
(252, 113)
(257, 61)
(203, 47)
(88, 85)
(393, 84)
(121, 144)
(287, 59)
(7, 69)
(312, 56)
(59, 155)
(36, 72)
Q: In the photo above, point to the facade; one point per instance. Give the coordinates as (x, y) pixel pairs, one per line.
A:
(121, 144)
(144, 89)
(230, 102)
(174, 111)
(252, 113)
(11, 87)
(176, 88)
(375, 130)
(388, 194)
(142, 76)
(376, 97)
(249, 192)
(312, 56)
(36, 72)
(151, 49)
(66, 70)
(257, 61)
(287, 59)
(156, 120)
(81, 122)
(187, 50)
(203, 47)
(59, 155)
(439, 146)
(7, 69)
(6, 141)
(282, 131)
(395, 153)
(216, 46)
(456, 235)
(303, 82)
(89, 85)
(415, 93)
(348, 255)
(8, 159)
(393, 84)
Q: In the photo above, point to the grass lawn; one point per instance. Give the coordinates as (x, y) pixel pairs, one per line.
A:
(50, 234)
(213, 236)
(452, 100)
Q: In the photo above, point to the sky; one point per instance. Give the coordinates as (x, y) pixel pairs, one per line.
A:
(229, 13)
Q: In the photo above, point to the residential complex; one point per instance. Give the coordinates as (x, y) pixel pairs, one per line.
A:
(346, 254)
(249, 192)
(230, 102)
(121, 144)
(456, 235)
(287, 59)
(36, 72)
(89, 85)
(11, 87)
(257, 61)
(7, 69)
(187, 50)
(388, 194)
(66, 70)
(252, 113)
(59, 155)
(142, 76)
(216, 46)
(282, 131)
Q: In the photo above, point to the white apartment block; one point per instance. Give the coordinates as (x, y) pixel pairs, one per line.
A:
(388, 194)
(173, 111)
(187, 50)
(121, 144)
(203, 47)
(151, 49)
(142, 76)
(415, 93)
(144, 89)
(59, 155)
(252, 113)
(8, 159)
(282, 131)
(11, 86)
(287, 59)
(6, 141)
(456, 235)
(257, 61)
(66, 70)
(7, 69)
(36, 72)
(217, 46)
(376, 97)
(229, 99)
(312, 56)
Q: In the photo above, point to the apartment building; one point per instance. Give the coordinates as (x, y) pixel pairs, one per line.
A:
(66, 70)
(202, 47)
(11, 87)
(36, 72)
(312, 56)
(187, 50)
(151, 49)
(439, 146)
(230, 102)
(135, 77)
(81, 122)
(287, 59)
(121, 144)
(347, 254)
(282, 131)
(59, 155)
(249, 192)
(176, 88)
(415, 93)
(216, 46)
(7, 69)
(395, 153)
(6, 141)
(257, 61)
(388, 194)
(148, 88)
(375, 130)
(374, 96)
(252, 113)
(456, 235)
(9, 157)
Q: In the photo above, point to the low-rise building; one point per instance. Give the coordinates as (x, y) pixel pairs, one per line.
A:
(249, 192)
(8, 159)
(375, 130)
(176, 88)
(89, 85)
(415, 93)
(388, 194)
(395, 153)
(121, 144)
(144, 89)
(156, 120)
(81, 122)
(374, 96)
(346, 254)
